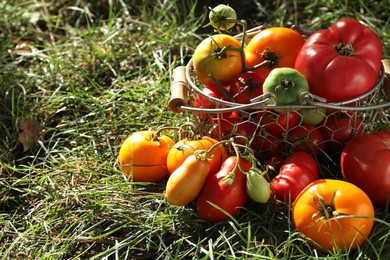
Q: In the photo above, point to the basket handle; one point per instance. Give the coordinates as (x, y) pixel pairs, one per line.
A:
(386, 82)
(179, 89)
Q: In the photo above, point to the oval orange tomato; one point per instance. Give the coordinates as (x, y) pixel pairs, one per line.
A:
(135, 156)
(334, 214)
(279, 45)
(186, 182)
(184, 148)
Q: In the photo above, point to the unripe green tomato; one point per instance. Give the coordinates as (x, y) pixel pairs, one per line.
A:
(287, 85)
(257, 187)
(218, 17)
(312, 116)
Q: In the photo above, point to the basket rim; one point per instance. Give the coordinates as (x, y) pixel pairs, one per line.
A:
(261, 101)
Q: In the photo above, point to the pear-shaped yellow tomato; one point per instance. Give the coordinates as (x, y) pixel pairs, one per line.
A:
(187, 181)
(143, 156)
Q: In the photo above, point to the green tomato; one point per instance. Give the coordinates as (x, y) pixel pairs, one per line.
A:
(257, 187)
(222, 17)
(312, 116)
(287, 85)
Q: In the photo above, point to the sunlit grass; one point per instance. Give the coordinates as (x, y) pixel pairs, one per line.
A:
(91, 73)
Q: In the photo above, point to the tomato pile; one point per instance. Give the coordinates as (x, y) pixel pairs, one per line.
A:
(271, 153)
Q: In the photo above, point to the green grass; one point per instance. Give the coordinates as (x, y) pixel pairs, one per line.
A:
(91, 73)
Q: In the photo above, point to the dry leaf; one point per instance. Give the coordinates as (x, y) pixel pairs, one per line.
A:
(30, 132)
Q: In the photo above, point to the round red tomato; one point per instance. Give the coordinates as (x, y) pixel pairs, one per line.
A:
(334, 214)
(135, 160)
(248, 86)
(306, 138)
(339, 128)
(341, 62)
(277, 45)
(365, 162)
(220, 56)
(276, 124)
(202, 101)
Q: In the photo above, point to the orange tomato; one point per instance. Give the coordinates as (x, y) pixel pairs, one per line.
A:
(225, 66)
(186, 182)
(279, 45)
(184, 148)
(334, 214)
(143, 156)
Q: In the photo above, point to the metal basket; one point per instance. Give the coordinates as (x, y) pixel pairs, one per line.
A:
(362, 111)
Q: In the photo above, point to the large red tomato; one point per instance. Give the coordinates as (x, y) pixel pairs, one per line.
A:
(365, 161)
(278, 45)
(341, 62)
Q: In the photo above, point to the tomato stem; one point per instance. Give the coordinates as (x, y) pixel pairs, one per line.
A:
(345, 49)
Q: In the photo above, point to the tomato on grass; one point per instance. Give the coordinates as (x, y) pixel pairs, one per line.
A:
(365, 162)
(297, 171)
(135, 160)
(334, 215)
(186, 147)
(186, 182)
(224, 190)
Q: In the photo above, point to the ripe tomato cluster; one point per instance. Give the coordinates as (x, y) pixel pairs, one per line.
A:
(270, 152)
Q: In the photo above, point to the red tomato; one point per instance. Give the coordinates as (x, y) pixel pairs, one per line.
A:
(298, 170)
(342, 62)
(202, 101)
(277, 124)
(306, 138)
(226, 129)
(135, 159)
(365, 162)
(278, 45)
(339, 128)
(211, 57)
(225, 191)
(335, 215)
(248, 86)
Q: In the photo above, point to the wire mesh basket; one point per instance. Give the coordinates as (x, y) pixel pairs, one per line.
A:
(269, 132)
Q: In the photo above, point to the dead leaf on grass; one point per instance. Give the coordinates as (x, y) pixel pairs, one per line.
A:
(30, 132)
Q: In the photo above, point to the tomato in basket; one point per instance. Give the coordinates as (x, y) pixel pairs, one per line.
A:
(278, 45)
(339, 128)
(219, 56)
(306, 138)
(248, 86)
(341, 62)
